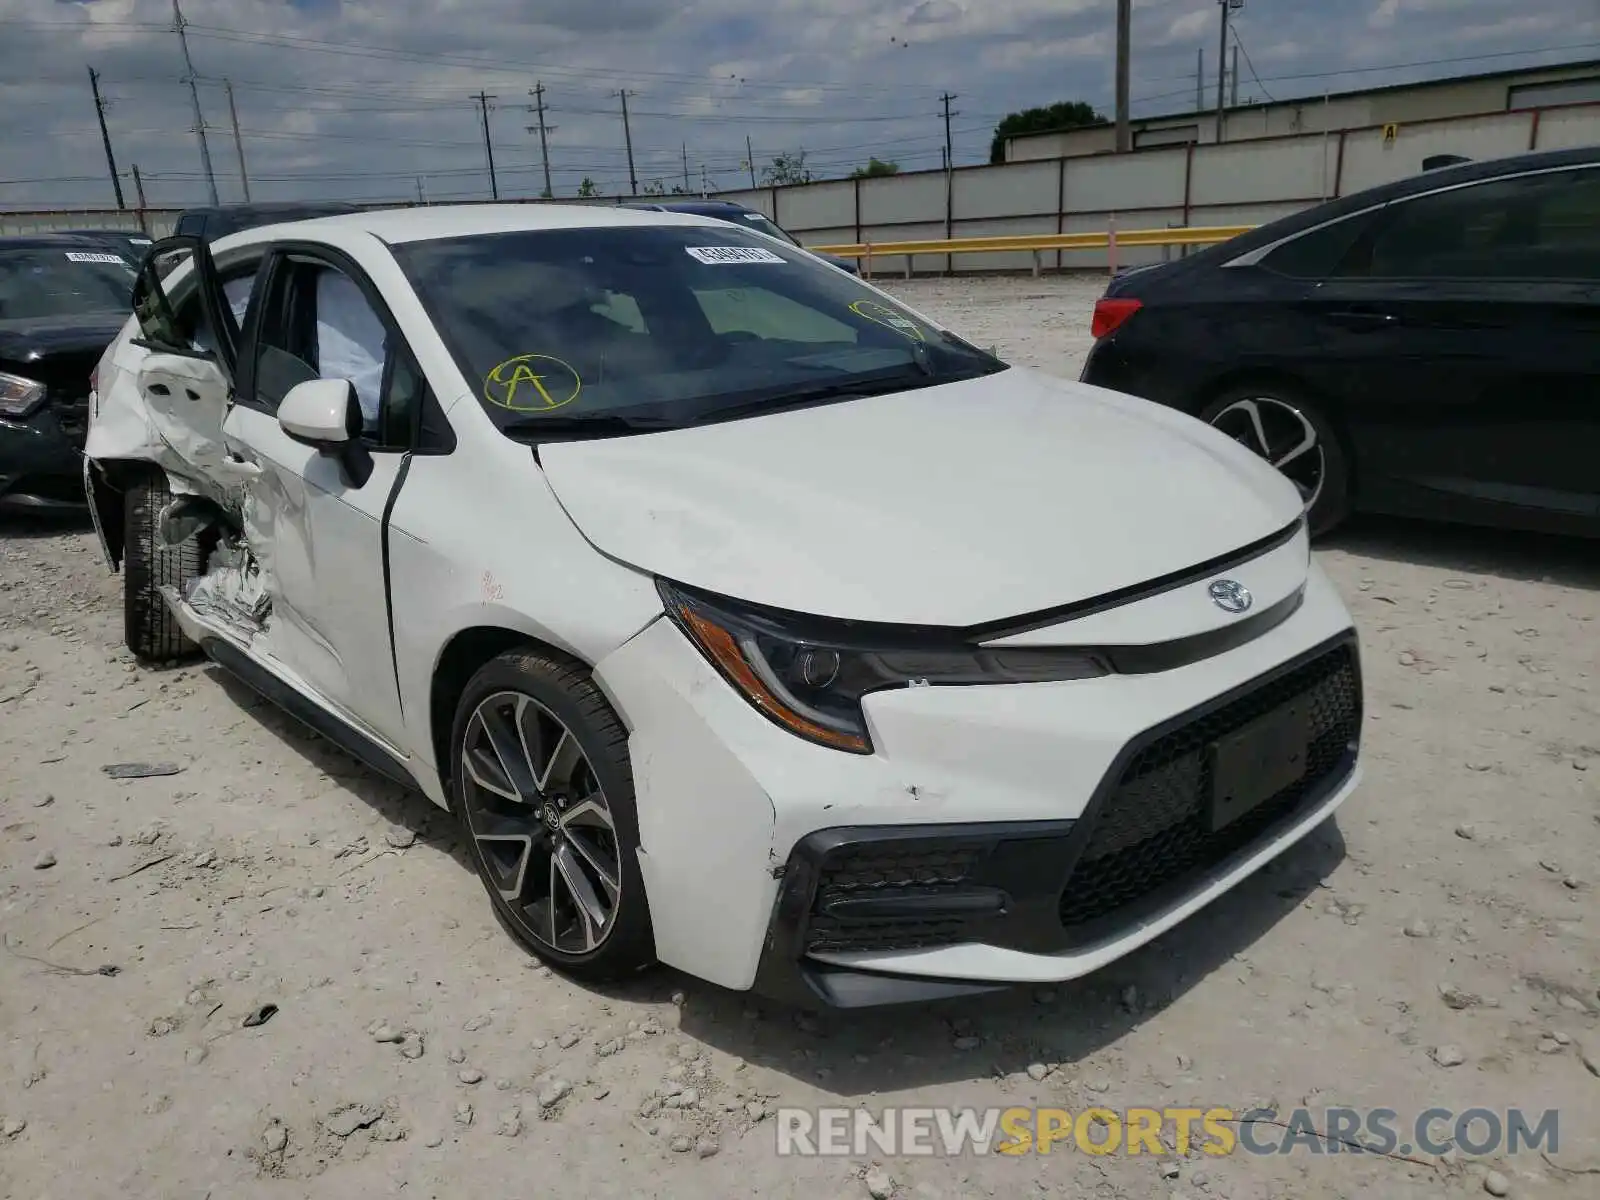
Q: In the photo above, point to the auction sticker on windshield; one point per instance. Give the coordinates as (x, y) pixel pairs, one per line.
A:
(714, 256)
(532, 383)
(884, 315)
(82, 257)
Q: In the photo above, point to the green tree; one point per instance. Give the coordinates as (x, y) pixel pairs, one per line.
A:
(655, 188)
(786, 169)
(875, 169)
(588, 188)
(1069, 114)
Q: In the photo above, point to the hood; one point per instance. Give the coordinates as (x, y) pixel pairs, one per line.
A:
(28, 340)
(952, 505)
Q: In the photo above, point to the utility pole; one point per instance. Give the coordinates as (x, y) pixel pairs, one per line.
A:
(1124, 51)
(138, 190)
(1233, 98)
(483, 99)
(105, 136)
(194, 95)
(750, 161)
(1199, 79)
(705, 184)
(627, 137)
(1222, 61)
(544, 142)
(238, 142)
(686, 168)
(949, 155)
(422, 191)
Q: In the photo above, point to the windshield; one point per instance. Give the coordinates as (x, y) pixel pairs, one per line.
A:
(592, 332)
(47, 281)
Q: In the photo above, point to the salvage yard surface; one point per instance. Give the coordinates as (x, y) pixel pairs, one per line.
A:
(261, 971)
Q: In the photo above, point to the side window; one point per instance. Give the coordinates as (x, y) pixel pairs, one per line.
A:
(318, 324)
(1318, 254)
(1532, 227)
(238, 284)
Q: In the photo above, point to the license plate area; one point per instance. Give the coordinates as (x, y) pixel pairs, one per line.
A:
(1253, 764)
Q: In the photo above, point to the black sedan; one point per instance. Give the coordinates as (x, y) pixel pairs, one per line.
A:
(1429, 348)
(62, 301)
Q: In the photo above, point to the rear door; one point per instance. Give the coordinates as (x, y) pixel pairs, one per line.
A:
(183, 358)
(1467, 321)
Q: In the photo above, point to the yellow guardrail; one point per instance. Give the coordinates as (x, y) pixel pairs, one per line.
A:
(1107, 239)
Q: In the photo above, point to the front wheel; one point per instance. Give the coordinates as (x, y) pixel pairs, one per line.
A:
(542, 784)
(149, 564)
(1295, 436)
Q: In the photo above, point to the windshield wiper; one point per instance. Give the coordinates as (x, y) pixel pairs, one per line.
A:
(849, 389)
(552, 429)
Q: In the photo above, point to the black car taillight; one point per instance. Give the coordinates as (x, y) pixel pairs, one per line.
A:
(1111, 314)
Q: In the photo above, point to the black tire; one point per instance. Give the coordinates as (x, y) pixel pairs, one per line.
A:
(151, 631)
(566, 692)
(1331, 499)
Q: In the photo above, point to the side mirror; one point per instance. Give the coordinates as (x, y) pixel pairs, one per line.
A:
(321, 412)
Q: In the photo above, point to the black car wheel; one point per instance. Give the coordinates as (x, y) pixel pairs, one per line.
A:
(1294, 436)
(543, 786)
(149, 564)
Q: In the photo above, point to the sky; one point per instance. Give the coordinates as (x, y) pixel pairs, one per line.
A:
(372, 99)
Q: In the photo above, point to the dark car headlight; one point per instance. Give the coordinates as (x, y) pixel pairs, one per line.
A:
(809, 675)
(19, 396)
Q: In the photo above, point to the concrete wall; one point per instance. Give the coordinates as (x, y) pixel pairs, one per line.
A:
(1353, 110)
(1236, 183)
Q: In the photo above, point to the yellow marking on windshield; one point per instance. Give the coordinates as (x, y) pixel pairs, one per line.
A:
(532, 383)
(882, 314)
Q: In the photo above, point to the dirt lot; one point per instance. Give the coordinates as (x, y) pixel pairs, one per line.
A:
(1447, 916)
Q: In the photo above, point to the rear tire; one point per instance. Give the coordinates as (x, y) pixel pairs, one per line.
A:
(1300, 441)
(150, 629)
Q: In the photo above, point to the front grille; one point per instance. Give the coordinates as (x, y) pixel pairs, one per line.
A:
(72, 417)
(1152, 832)
(902, 868)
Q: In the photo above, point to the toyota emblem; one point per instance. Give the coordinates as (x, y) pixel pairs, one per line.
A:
(1230, 596)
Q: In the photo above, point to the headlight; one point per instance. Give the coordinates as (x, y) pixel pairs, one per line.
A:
(19, 396)
(809, 675)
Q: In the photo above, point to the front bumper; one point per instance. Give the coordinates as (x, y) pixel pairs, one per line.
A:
(879, 915)
(41, 463)
(999, 834)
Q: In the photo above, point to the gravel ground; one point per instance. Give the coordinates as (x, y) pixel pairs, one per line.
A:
(1447, 917)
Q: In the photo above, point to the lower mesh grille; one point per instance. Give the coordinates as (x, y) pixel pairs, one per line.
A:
(904, 868)
(1153, 831)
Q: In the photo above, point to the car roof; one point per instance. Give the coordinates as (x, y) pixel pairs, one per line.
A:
(398, 226)
(268, 207)
(45, 241)
(691, 206)
(1400, 189)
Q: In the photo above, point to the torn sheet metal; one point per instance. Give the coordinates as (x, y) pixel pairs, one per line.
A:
(232, 593)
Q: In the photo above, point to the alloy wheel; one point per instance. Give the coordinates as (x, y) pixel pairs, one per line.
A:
(1280, 433)
(540, 823)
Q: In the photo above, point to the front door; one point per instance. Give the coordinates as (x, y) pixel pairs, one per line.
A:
(315, 524)
(1468, 318)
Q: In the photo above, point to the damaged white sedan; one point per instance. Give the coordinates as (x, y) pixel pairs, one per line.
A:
(749, 620)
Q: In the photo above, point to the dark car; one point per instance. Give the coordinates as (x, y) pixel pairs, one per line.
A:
(738, 214)
(210, 224)
(122, 241)
(62, 301)
(1429, 348)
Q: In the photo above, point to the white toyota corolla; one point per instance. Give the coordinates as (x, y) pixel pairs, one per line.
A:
(749, 620)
